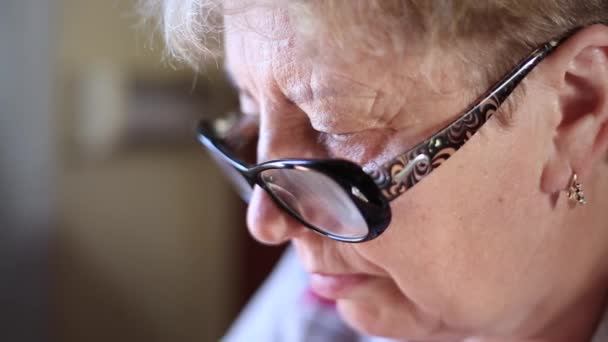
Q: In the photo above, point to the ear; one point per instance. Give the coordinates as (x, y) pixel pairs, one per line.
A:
(579, 75)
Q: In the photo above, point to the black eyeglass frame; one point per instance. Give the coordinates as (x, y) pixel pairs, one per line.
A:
(393, 178)
(375, 211)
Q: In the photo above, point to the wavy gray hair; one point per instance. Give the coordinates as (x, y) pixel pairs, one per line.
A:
(192, 28)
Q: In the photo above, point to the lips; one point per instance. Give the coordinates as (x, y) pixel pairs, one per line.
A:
(335, 286)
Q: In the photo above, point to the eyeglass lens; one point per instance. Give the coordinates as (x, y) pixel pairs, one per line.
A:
(318, 200)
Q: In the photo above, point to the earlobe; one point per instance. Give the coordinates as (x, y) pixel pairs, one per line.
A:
(556, 174)
(580, 139)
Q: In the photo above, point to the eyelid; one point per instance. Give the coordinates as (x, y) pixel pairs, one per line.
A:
(330, 129)
(359, 135)
(343, 136)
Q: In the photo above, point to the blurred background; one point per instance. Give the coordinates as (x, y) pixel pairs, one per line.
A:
(114, 224)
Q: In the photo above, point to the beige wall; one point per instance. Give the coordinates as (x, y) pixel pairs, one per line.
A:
(146, 242)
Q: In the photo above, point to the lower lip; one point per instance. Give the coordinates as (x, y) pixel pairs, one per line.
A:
(335, 286)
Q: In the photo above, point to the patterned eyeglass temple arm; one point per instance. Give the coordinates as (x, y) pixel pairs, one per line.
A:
(398, 175)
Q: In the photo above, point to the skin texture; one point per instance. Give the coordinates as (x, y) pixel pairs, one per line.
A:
(487, 248)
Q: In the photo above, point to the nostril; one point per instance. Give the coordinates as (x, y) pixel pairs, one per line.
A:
(266, 222)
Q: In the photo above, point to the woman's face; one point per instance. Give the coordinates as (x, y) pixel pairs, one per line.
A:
(474, 247)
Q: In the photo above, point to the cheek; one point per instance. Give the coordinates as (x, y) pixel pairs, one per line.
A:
(462, 240)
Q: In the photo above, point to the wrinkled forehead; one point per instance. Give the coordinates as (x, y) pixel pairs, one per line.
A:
(268, 56)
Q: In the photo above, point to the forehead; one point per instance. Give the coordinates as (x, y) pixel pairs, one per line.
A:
(333, 84)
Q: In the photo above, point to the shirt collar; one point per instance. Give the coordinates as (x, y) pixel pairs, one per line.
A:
(601, 334)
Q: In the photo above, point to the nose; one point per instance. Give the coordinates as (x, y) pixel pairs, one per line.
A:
(284, 133)
(268, 223)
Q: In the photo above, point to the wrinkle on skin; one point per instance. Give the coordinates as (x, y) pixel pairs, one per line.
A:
(333, 102)
(290, 76)
(340, 104)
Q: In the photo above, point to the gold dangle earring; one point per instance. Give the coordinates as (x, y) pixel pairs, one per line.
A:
(575, 192)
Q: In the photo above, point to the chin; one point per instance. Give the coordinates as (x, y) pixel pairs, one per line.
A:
(362, 319)
(366, 319)
(392, 321)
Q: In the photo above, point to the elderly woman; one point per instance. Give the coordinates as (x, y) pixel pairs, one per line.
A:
(439, 167)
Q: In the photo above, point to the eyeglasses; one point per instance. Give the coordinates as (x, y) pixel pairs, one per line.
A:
(338, 198)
